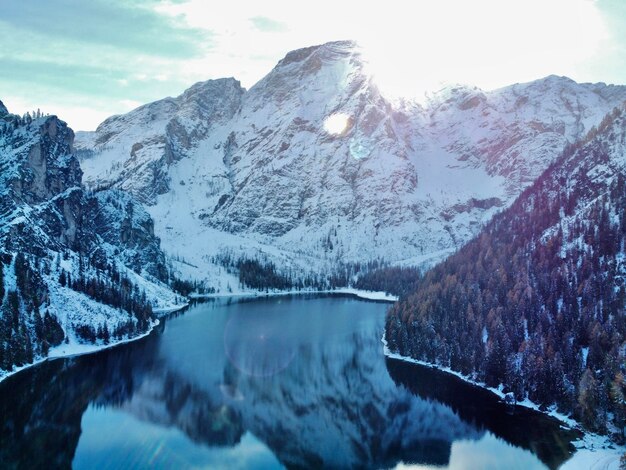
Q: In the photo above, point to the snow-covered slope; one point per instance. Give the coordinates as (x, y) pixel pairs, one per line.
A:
(515, 131)
(136, 149)
(75, 267)
(258, 173)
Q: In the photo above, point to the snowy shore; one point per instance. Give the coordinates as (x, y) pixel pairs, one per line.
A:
(593, 451)
(73, 348)
(361, 294)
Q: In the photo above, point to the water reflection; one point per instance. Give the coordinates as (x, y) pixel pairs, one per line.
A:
(519, 426)
(261, 344)
(282, 382)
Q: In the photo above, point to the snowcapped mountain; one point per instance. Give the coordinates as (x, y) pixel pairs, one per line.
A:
(75, 267)
(314, 167)
(516, 131)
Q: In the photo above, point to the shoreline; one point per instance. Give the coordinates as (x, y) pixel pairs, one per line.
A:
(377, 296)
(161, 312)
(65, 351)
(589, 443)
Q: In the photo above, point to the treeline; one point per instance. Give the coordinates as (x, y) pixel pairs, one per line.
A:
(91, 334)
(115, 290)
(28, 330)
(370, 275)
(11, 122)
(263, 275)
(395, 280)
(374, 275)
(537, 301)
(26, 327)
(185, 287)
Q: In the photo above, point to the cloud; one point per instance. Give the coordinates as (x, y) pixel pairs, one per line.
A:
(123, 25)
(80, 78)
(78, 56)
(268, 25)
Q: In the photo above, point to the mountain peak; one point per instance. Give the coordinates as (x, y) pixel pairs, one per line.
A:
(3, 109)
(329, 51)
(211, 86)
(454, 90)
(323, 71)
(556, 78)
(314, 160)
(551, 81)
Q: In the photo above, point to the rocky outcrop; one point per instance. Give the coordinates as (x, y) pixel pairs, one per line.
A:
(75, 264)
(517, 131)
(46, 181)
(42, 163)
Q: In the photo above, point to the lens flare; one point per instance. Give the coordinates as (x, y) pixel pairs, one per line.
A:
(258, 345)
(337, 124)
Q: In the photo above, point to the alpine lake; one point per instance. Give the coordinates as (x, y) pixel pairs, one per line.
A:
(277, 382)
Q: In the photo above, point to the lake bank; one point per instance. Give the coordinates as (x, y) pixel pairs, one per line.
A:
(73, 349)
(358, 293)
(593, 450)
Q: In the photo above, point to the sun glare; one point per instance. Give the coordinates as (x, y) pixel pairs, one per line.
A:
(336, 124)
(411, 48)
(479, 45)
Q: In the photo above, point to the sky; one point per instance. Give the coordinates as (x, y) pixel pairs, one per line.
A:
(87, 60)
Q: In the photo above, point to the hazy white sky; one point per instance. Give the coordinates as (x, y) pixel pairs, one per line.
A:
(87, 60)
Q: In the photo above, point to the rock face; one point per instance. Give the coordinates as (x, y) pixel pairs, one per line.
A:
(136, 149)
(3, 110)
(515, 131)
(313, 163)
(43, 192)
(69, 258)
(37, 155)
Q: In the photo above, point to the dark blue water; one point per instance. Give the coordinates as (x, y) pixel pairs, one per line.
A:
(284, 382)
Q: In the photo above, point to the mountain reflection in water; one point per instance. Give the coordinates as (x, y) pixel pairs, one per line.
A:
(295, 382)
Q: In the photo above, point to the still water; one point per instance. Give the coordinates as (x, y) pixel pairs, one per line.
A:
(290, 382)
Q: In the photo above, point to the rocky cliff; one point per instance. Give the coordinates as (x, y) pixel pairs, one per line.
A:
(76, 266)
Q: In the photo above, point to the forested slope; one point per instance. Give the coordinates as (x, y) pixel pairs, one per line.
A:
(537, 301)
